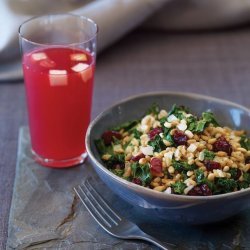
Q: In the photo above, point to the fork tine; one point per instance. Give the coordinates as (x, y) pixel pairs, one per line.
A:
(94, 201)
(102, 201)
(91, 208)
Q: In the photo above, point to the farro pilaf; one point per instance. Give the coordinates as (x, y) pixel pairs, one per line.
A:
(177, 152)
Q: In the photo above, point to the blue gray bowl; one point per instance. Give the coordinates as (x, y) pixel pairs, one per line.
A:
(178, 208)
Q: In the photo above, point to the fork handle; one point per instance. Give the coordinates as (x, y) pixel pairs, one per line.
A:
(143, 236)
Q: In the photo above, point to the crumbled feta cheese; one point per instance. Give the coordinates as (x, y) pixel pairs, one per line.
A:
(144, 128)
(189, 134)
(182, 125)
(168, 190)
(169, 155)
(201, 156)
(172, 118)
(148, 150)
(192, 147)
(177, 154)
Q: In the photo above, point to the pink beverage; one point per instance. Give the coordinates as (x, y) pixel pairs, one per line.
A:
(59, 85)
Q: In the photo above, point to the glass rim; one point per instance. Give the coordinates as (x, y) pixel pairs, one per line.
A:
(58, 14)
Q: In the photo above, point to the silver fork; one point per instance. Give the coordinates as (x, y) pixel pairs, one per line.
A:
(109, 220)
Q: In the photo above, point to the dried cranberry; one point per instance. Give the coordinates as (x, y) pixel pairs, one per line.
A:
(195, 191)
(138, 157)
(156, 166)
(118, 165)
(205, 190)
(200, 190)
(222, 144)
(247, 161)
(108, 135)
(152, 134)
(180, 138)
(137, 181)
(210, 165)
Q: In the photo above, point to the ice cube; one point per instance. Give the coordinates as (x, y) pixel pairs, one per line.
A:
(87, 74)
(78, 57)
(80, 67)
(47, 63)
(84, 69)
(58, 77)
(39, 56)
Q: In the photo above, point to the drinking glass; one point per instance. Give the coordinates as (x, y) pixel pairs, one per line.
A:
(58, 58)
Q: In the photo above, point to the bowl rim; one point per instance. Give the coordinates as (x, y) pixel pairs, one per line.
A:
(150, 192)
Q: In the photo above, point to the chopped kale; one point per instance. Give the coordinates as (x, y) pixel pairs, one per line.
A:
(208, 155)
(169, 138)
(246, 177)
(199, 175)
(154, 109)
(142, 172)
(163, 120)
(116, 141)
(245, 142)
(242, 184)
(137, 134)
(210, 184)
(184, 175)
(200, 126)
(101, 147)
(191, 123)
(233, 172)
(157, 144)
(165, 130)
(224, 185)
(118, 172)
(178, 111)
(126, 125)
(207, 118)
(181, 166)
(178, 187)
(116, 160)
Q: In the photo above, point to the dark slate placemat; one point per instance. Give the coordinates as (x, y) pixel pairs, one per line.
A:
(46, 214)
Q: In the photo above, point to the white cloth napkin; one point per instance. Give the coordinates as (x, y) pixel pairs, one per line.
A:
(115, 18)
